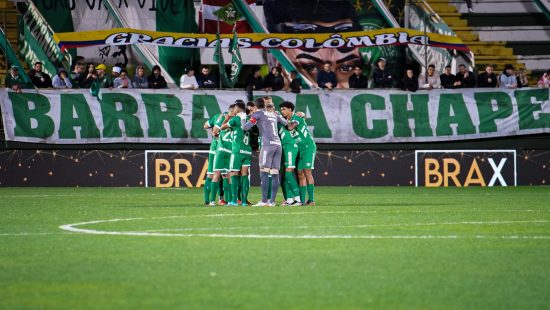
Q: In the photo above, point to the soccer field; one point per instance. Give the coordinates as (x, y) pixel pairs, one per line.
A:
(380, 248)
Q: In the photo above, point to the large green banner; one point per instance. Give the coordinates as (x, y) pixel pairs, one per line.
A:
(342, 116)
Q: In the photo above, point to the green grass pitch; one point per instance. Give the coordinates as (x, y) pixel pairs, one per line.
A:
(360, 247)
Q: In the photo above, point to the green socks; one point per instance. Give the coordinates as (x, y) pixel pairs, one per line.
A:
(310, 188)
(214, 190)
(302, 193)
(207, 186)
(245, 188)
(235, 182)
(227, 190)
(293, 190)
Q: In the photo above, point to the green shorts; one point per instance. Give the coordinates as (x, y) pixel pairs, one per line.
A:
(211, 159)
(306, 158)
(238, 161)
(221, 163)
(290, 153)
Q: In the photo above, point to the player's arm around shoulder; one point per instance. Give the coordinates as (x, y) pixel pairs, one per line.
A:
(253, 120)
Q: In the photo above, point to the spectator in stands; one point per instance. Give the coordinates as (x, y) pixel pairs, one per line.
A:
(431, 81)
(156, 80)
(464, 78)
(469, 4)
(274, 81)
(122, 81)
(105, 80)
(62, 80)
(140, 80)
(447, 78)
(508, 77)
(116, 71)
(253, 82)
(357, 79)
(87, 77)
(326, 78)
(78, 74)
(382, 77)
(314, 72)
(544, 81)
(488, 78)
(206, 79)
(188, 80)
(14, 80)
(409, 81)
(295, 82)
(39, 78)
(523, 81)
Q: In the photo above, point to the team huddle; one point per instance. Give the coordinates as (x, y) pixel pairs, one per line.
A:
(286, 149)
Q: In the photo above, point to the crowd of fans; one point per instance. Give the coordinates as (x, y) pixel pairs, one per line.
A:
(85, 75)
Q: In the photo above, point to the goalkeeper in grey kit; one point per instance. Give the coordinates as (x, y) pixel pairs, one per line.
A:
(266, 120)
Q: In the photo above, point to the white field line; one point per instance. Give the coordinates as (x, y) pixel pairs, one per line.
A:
(74, 228)
(32, 234)
(347, 226)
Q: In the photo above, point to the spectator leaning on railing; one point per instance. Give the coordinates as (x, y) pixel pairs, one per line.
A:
(88, 76)
(105, 80)
(140, 80)
(188, 80)
(409, 81)
(544, 81)
(295, 82)
(206, 79)
(357, 79)
(431, 81)
(62, 80)
(122, 81)
(274, 81)
(447, 78)
(39, 78)
(508, 77)
(326, 79)
(156, 80)
(14, 80)
(382, 77)
(487, 79)
(465, 78)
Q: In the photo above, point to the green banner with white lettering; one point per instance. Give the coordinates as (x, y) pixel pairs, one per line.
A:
(341, 116)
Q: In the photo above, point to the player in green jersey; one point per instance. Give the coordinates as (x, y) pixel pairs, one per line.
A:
(306, 156)
(221, 161)
(208, 125)
(241, 153)
(289, 155)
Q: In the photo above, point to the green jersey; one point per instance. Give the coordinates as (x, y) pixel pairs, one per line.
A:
(225, 142)
(301, 133)
(285, 136)
(241, 138)
(212, 122)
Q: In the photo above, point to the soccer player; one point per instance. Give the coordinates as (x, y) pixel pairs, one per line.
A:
(221, 161)
(270, 153)
(290, 152)
(241, 153)
(209, 125)
(306, 157)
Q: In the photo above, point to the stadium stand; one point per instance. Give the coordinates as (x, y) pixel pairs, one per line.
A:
(496, 31)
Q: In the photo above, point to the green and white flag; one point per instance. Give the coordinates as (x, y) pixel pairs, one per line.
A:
(236, 60)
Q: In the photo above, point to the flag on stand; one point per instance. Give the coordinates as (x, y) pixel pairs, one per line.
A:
(236, 59)
(228, 15)
(218, 58)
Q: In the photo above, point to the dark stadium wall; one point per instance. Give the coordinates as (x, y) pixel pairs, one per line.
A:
(120, 168)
